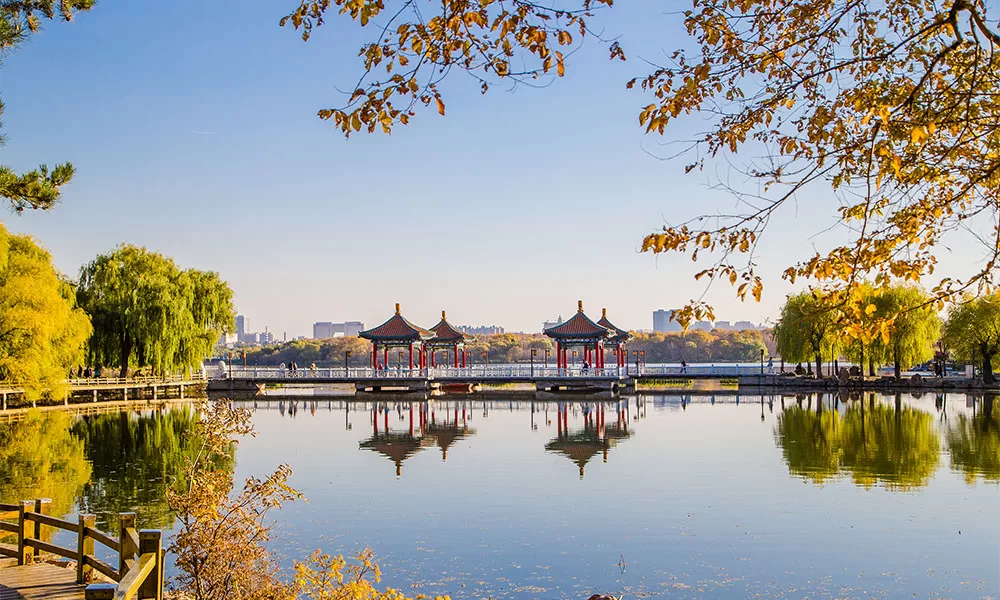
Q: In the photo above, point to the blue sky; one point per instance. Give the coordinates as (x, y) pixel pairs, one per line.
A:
(192, 126)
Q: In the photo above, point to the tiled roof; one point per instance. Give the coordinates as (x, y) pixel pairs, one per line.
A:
(396, 328)
(620, 335)
(577, 327)
(444, 332)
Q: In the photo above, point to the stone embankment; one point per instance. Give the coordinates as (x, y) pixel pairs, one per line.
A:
(847, 381)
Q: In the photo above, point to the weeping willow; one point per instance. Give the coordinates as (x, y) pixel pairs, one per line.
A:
(147, 312)
(42, 331)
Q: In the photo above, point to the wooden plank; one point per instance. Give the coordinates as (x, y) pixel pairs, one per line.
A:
(40, 581)
(103, 568)
(6, 550)
(11, 527)
(103, 538)
(7, 508)
(50, 548)
(130, 583)
(52, 521)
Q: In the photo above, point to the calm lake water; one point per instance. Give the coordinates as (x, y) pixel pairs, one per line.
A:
(678, 496)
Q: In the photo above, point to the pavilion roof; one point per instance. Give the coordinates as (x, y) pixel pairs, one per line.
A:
(396, 328)
(620, 335)
(445, 333)
(581, 446)
(579, 326)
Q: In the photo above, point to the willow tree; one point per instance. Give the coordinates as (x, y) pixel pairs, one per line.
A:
(148, 312)
(895, 446)
(806, 330)
(42, 332)
(891, 108)
(914, 325)
(19, 19)
(973, 331)
(810, 442)
(974, 446)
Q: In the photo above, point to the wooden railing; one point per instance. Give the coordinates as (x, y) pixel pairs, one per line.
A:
(139, 573)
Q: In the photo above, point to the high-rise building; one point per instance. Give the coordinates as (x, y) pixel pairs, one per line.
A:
(702, 326)
(480, 329)
(743, 325)
(724, 325)
(551, 324)
(662, 322)
(241, 325)
(326, 329)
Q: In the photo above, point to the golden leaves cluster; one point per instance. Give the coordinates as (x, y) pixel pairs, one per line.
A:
(895, 107)
(419, 42)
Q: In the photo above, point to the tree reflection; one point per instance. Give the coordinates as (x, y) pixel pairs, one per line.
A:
(810, 442)
(136, 457)
(894, 446)
(974, 443)
(40, 458)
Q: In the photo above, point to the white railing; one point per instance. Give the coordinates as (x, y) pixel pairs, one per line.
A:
(702, 370)
(353, 373)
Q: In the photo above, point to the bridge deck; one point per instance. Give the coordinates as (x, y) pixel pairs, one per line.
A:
(38, 581)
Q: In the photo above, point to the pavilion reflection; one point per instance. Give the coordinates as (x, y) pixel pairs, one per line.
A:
(425, 428)
(596, 436)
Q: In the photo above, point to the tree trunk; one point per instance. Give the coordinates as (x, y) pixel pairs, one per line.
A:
(819, 366)
(871, 367)
(988, 408)
(126, 352)
(987, 367)
(861, 362)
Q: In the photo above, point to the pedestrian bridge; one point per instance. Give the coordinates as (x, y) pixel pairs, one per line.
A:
(543, 377)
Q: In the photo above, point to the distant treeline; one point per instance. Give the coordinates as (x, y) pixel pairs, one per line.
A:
(693, 346)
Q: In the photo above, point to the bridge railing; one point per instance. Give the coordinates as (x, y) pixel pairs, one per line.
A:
(702, 370)
(519, 371)
(139, 573)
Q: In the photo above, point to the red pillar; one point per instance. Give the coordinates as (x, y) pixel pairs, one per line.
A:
(433, 363)
(385, 357)
(375, 419)
(464, 354)
(411, 368)
(558, 355)
(374, 355)
(411, 411)
(387, 419)
(456, 355)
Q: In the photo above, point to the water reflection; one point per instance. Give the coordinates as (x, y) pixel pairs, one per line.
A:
(974, 443)
(41, 458)
(135, 458)
(893, 445)
(580, 445)
(427, 430)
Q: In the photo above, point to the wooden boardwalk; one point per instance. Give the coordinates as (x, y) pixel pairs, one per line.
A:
(39, 581)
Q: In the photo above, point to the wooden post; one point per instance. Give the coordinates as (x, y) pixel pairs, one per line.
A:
(100, 591)
(84, 548)
(4, 405)
(125, 393)
(25, 531)
(43, 506)
(95, 394)
(182, 391)
(150, 542)
(126, 549)
(154, 392)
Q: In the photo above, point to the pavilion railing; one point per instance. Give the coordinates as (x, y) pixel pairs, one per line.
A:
(139, 573)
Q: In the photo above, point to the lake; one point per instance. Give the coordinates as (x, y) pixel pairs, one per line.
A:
(663, 495)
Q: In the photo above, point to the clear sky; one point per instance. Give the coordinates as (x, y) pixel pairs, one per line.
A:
(193, 130)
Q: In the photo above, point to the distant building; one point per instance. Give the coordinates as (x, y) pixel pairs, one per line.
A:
(724, 325)
(265, 337)
(326, 329)
(480, 329)
(250, 339)
(242, 324)
(662, 322)
(702, 326)
(551, 324)
(744, 325)
(227, 340)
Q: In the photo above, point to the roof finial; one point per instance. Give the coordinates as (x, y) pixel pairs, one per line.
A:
(397, 308)
(579, 306)
(444, 317)
(604, 313)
